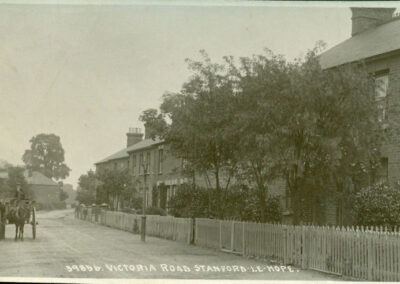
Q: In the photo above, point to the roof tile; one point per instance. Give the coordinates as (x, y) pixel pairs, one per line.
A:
(124, 152)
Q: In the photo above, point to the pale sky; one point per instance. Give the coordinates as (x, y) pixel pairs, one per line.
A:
(86, 73)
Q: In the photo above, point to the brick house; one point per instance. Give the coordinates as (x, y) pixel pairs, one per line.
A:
(375, 39)
(163, 169)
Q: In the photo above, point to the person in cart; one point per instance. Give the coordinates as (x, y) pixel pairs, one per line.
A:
(19, 194)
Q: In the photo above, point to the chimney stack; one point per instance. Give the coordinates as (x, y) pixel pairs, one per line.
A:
(146, 132)
(134, 136)
(366, 18)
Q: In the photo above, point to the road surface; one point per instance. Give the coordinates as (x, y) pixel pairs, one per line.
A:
(66, 247)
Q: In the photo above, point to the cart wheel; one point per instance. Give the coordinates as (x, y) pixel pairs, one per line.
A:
(34, 223)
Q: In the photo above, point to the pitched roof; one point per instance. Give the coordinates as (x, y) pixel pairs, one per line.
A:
(124, 153)
(376, 41)
(38, 178)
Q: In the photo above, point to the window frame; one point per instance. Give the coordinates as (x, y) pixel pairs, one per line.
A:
(382, 101)
(160, 160)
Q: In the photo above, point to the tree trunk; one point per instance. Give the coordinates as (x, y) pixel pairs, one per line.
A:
(296, 204)
(262, 202)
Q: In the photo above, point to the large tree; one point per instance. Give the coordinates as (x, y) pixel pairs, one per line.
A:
(329, 132)
(46, 155)
(199, 117)
(260, 81)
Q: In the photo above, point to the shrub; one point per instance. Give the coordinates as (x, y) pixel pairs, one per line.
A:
(191, 201)
(136, 203)
(251, 210)
(155, 211)
(378, 205)
(239, 203)
(129, 210)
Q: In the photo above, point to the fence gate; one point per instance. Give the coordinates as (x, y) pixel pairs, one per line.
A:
(231, 236)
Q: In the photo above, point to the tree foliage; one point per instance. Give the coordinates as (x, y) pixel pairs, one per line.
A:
(15, 177)
(115, 185)
(86, 193)
(154, 123)
(260, 82)
(199, 116)
(46, 155)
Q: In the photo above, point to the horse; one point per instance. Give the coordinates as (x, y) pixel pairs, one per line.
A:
(18, 216)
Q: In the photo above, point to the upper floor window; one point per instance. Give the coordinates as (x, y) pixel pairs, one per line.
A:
(160, 160)
(381, 94)
(141, 161)
(133, 163)
(148, 160)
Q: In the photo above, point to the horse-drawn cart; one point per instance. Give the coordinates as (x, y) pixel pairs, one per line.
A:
(18, 212)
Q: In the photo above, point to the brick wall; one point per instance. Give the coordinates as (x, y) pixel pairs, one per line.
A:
(113, 164)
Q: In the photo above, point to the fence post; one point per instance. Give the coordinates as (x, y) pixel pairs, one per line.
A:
(191, 230)
(285, 248)
(370, 257)
(304, 263)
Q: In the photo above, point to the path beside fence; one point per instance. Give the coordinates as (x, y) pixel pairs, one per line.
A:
(359, 253)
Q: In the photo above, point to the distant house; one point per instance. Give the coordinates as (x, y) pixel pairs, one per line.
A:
(375, 39)
(45, 190)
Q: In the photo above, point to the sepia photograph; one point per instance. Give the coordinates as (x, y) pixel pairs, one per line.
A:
(182, 141)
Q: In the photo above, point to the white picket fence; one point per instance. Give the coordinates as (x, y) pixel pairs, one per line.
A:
(171, 228)
(166, 227)
(360, 253)
(357, 253)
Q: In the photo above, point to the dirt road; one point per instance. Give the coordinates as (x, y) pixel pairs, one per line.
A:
(66, 247)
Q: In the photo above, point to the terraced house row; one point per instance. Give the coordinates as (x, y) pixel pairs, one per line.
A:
(151, 165)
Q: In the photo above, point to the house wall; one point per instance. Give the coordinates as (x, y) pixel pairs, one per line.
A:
(170, 173)
(390, 150)
(45, 194)
(336, 214)
(113, 164)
